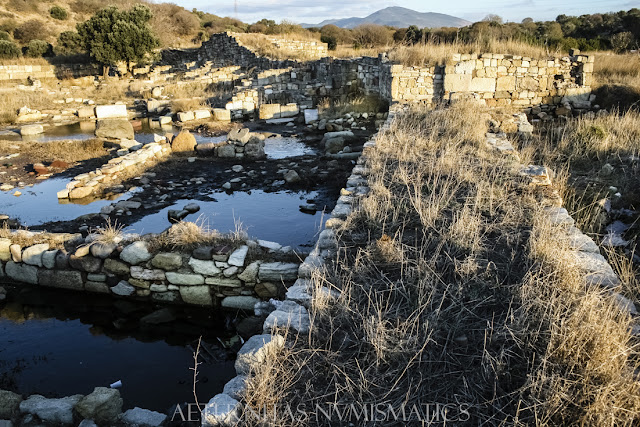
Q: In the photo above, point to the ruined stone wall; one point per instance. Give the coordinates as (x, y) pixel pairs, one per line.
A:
(514, 80)
(228, 275)
(63, 71)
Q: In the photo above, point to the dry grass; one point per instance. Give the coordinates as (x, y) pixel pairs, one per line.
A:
(454, 291)
(110, 232)
(186, 235)
(66, 151)
(333, 108)
(617, 80)
(12, 100)
(190, 104)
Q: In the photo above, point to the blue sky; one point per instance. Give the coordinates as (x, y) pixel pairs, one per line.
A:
(473, 10)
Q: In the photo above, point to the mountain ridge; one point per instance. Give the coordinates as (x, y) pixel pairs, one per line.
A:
(397, 16)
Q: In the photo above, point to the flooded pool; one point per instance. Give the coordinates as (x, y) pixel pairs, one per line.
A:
(58, 343)
(272, 216)
(282, 147)
(40, 204)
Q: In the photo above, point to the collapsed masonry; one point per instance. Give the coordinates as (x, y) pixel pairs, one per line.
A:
(260, 84)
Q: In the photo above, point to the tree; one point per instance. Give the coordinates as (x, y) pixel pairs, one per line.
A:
(621, 41)
(37, 48)
(69, 43)
(494, 19)
(9, 50)
(112, 35)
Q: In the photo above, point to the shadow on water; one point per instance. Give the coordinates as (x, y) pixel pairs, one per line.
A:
(58, 343)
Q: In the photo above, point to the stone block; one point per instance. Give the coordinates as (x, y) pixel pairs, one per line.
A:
(482, 84)
(269, 111)
(196, 295)
(457, 82)
(111, 111)
(64, 279)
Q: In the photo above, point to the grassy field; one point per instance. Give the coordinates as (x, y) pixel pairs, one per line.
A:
(454, 289)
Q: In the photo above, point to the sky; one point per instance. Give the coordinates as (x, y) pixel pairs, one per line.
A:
(300, 11)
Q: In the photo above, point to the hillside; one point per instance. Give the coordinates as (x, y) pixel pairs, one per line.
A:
(400, 17)
(174, 25)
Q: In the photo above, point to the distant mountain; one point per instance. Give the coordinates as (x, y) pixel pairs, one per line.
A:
(400, 17)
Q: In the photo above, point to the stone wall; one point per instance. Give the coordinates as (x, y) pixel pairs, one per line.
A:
(502, 80)
(38, 72)
(232, 275)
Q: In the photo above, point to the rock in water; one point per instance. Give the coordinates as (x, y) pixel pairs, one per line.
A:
(103, 406)
(114, 129)
(184, 141)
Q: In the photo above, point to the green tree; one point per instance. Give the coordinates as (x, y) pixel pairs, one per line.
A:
(112, 35)
(69, 43)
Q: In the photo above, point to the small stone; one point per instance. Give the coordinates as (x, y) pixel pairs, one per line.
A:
(123, 288)
(143, 418)
(238, 256)
(103, 405)
(167, 261)
(51, 411)
(221, 410)
(184, 278)
(33, 254)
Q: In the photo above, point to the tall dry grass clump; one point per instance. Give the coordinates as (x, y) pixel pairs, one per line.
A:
(451, 295)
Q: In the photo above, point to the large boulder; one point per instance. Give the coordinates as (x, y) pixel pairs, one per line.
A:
(51, 411)
(114, 129)
(334, 145)
(143, 418)
(29, 130)
(103, 406)
(184, 141)
(9, 404)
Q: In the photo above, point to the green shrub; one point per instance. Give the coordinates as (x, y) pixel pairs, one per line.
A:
(59, 13)
(331, 41)
(69, 43)
(9, 50)
(4, 35)
(37, 48)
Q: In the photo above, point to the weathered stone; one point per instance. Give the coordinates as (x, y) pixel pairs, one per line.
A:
(111, 111)
(203, 252)
(114, 129)
(292, 177)
(168, 297)
(52, 411)
(254, 351)
(266, 290)
(49, 259)
(183, 142)
(221, 115)
(184, 278)
(30, 130)
(136, 253)
(16, 252)
(227, 151)
(103, 406)
(62, 260)
(222, 410)
(80, 192)
(207, 268)
(334, 145)
(97, 287)
(223, 281)
(197, 295)
(33, 254)
(87, 263)
(236, 387)
(139, 283)
(9, 404)
(240, 302)
(238, 256)
(22, 272)
(5, 252)
(167, 261)
(123, 288)
(147, 274)
(254, 150)
(65, 279)
(250, 274)
(116, 267)
(102, 250)
(278, 271)
(288, 315)
(143, 418)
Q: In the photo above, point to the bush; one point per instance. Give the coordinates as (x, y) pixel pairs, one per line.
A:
(37, 48)
(371, 35)
(4, 35)
(31, 30)
(331, 41)
(9, 50)
(59, 13)
(69, 43)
